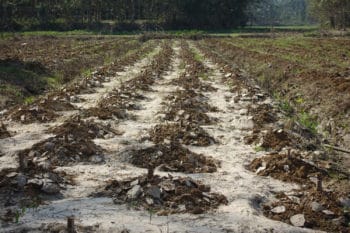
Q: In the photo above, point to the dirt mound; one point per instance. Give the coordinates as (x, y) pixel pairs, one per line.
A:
(3, 131)
(188, 115)
(188, 134)
(164, 195)
(188, 106)
(195, 70)
(174, 158)
(42, 110)
(28, 187)
(286, 168)
(124, 97)
(276, 139)
(116, 104)
(142, 82)
(77, 128)
(193, 82)
(29, 115)
(190, 99)
(154, 71)
(65, 149)
(106, 112)
(320, 209)
(262, 114)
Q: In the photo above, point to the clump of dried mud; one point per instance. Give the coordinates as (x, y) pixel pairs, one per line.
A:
(188, 106)
(65, 149)
(184, 133)
(42, 110)
(286, 168)
(323, 210)
(77, 128)
(165, 195)
(172, 157)
(3, 131)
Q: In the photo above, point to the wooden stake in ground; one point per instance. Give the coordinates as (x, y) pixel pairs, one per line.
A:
(150, 172)
(70, 224)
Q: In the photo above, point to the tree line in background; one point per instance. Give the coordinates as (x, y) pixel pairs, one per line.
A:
(278, 12)
(168, 14)
(333, 13)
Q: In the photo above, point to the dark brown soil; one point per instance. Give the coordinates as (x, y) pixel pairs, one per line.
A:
(174, 158)
(300, 202)
(188, 106)
(276, 139)
(190, 99)
(3, 131)
(188, 134)
(165, 195)
(189, 115)
(287, 168)
(106, 112)
(262, 114)
(65, 149)
(77, 128)
(29, 187)
(42, 110)
(193, 82)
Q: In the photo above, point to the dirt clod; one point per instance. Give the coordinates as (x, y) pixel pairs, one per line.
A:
(188, 134)
(174, 158)
(62, 150)
(77, 128)
(312, 209)
(286, 168)
(42, 110)
(3, 131)
(165, 195)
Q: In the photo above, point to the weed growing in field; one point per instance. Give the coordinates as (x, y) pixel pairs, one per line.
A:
(54, 82)
(308, 121)
(259, 149)
(198, 57)
(87, 73)
(29, 100)
(20, 213)
(284, 105)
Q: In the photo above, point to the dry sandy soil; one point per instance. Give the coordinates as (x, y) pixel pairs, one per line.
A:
(161, 146)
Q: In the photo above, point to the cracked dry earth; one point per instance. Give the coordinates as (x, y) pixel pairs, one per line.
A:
(207, 190)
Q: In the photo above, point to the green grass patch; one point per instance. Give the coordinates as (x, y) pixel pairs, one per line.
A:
(5, 35)
(308, 121)
(198, 57)
(29, 100)
(259, 149)
(54, 82)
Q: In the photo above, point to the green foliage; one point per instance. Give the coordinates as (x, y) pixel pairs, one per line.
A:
(278, 12)
(331, 13)
(286, 107)
(308, 122)
(259, 149)
(29, 100)
(122, 15)
(20, 213)
(53, 82)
